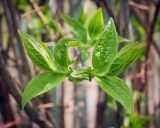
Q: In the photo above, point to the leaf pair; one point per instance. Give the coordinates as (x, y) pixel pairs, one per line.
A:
(55, 68)
(41, 56)
(108, 63)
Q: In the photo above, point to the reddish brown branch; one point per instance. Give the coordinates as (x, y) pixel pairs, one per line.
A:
(10, 124)
(150, 40)
(151, 31)
(138, 6)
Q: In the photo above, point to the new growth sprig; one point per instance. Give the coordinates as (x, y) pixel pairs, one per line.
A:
(107, 61)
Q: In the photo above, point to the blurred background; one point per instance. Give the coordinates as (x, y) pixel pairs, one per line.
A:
(84, 104)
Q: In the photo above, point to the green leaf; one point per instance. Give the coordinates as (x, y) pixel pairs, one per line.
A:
(106, 48)
(157, 27)
(121, 39)
(41, 84)
(138, 120)
(38, 52)
(82, 16)
(80, 74)
(125, 57)
(61, 50)
(138, 27)
(84, 54)
(117, 89)
(96, 24)
(22, 5)
(77, 28)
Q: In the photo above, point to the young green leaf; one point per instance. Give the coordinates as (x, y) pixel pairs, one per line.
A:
(38, 52)
(125, 57)
(96, 23)
(41, 84)
(84, 54)
(77, 28)
(61, 50)
(82, 16)
(80, 74)
(106, 48)
(121, 39)
(117, 89)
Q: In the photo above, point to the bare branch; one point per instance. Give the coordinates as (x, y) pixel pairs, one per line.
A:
(138, 6)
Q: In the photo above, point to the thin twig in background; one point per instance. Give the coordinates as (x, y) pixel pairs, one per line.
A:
(31, 12)
(138, 6)
(150, 39)
(17, 121)
(150, 42)
(151, 31)
(31, 111)
(12, 20)
(38, 12)
(156, 48)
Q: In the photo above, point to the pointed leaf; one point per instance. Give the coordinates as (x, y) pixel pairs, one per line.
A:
(84, 54)
(116, 88)
(80, 74)
(41, 84)
(77, 28)
(61, 50)
(96, 23)
(82, 16)
(121, 39)
(106, 48)
(38, 52)
(125, 57)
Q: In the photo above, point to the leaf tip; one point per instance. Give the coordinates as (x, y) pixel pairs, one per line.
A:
(130, 110)
(99, 10)
(23, 103)
(25, 99)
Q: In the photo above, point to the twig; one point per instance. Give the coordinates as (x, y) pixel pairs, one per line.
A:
(10, 14)
(10, 124)
(31, 12)
(150, 40)
(139, 6)
(39, 13)
(43, 18)
(156, 48)
(152, 27)
(124, 19)
(140, 19)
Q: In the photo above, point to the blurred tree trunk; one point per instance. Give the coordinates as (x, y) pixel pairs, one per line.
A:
(5, 106)
(12, 22)
(101, 107)
(124, 32)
